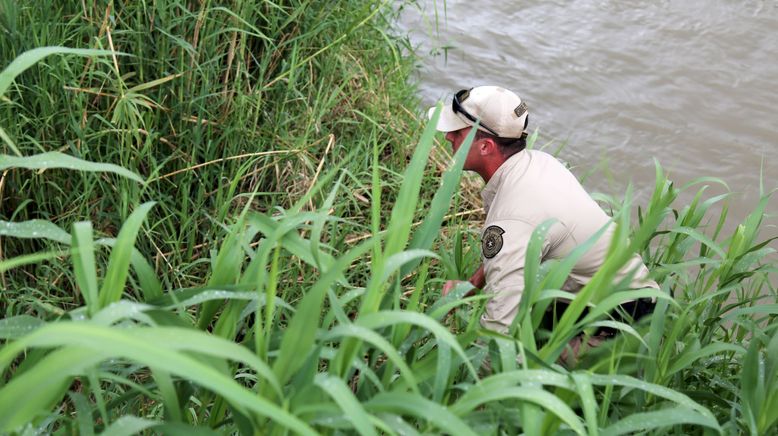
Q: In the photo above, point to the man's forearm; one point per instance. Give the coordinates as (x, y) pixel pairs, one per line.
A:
(478, 279)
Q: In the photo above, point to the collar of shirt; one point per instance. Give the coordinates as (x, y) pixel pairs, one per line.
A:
(493, 185)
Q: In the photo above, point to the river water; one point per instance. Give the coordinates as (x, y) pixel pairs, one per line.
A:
(619, 83)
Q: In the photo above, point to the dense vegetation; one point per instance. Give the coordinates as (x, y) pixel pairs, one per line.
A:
(225, 217)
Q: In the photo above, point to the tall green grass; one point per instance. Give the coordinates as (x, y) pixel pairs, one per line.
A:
(323, 314)
(207, 103)
(376, 358)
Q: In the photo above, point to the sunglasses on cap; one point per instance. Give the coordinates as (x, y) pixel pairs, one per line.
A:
(456, 106)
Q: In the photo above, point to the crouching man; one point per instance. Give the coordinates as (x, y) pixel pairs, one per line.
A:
(523, 189)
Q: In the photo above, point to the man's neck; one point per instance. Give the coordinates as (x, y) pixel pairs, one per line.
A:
(490, 167)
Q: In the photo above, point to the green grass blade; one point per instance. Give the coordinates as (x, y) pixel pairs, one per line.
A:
(403, 259)
(508, 353)
(387, 318)
(31, 57)
(299, 337)
(147, 278)
(531, 281)
(35, 391)
(225, 271)
(771, 358)
(153, 83)
(701, 238)
(181, 429)
(17, 326)
(750, 379)
(318, 225)
(28, 259)
(404, 209)
(766, 309)
(622, 327)
(128, 426)
(168, 392)
(661, 391)
(659, 419)
(686, 359)
(8, 141)
(588, 402)
(352, 409)
(292, 242)
(83, 256)
(83, 414)
(119, 263)
(607, 304)
(420, 407)
(191, 297)
(365, 334)
(144, 348)
(34, 229)
(769, 416)
(397, 425)
(429, 229)
(54, 159)
(196, 341)
(526, 376)
(398, 228)
(123, 310)
(478, 396)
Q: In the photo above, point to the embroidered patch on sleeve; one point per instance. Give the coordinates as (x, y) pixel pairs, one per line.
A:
(491, 241)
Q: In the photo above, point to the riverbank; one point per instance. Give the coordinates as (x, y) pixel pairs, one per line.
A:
(267, 252)
(213, 107)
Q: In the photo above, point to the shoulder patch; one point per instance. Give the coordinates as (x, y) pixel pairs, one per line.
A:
(491, 241)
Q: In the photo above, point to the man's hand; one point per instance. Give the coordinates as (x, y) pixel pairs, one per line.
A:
(449, 286)
(478, 280)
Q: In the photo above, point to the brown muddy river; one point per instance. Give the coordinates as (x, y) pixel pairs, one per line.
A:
(690, 83)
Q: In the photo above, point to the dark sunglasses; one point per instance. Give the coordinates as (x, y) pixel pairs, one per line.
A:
(456, 106)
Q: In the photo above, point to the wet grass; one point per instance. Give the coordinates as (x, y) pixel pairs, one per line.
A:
(209, 104)
(277, 267)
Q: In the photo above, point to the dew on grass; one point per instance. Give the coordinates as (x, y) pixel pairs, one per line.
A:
(214, 295)
(78, 316)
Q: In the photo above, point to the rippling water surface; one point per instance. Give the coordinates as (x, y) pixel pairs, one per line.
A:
(691, 83)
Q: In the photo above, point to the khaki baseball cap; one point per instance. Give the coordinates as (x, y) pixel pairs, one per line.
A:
(500, 112)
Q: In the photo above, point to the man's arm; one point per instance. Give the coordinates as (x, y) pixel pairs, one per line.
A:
(478, 279)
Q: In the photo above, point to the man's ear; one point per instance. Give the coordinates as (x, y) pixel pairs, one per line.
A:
(487, 146)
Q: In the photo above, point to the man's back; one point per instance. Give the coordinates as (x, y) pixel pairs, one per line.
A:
(528, 189)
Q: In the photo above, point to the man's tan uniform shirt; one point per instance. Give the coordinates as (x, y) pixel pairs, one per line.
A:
(528, 189)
